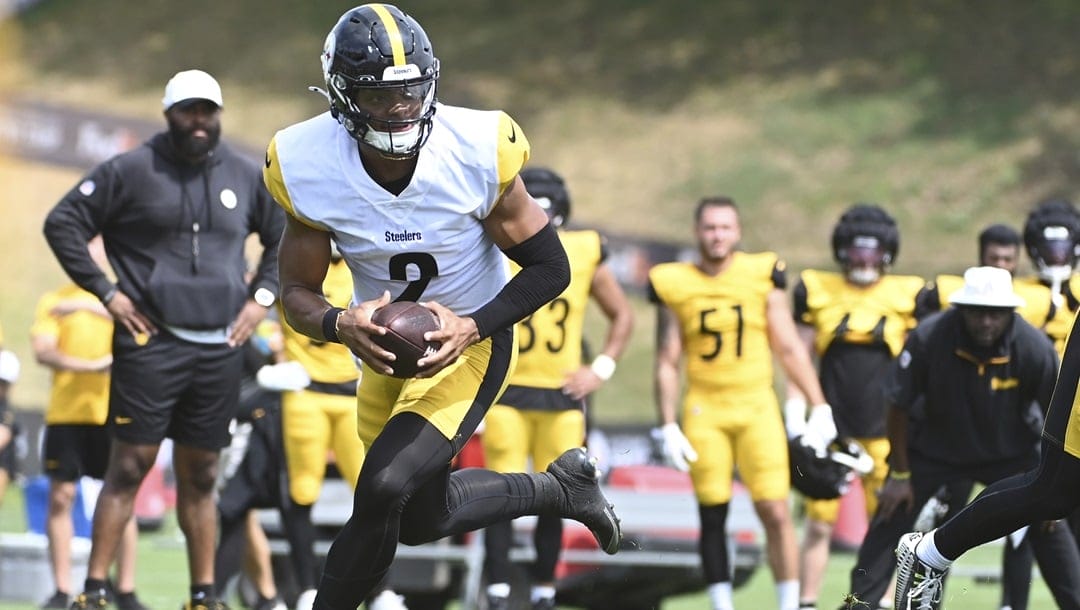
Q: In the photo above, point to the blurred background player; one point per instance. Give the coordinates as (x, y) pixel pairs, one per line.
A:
(541, 414)
(72, 335)
(253, 474)
(854, 321)
(998, 246)
(1052, 240)
(9, 374)
(726, 316)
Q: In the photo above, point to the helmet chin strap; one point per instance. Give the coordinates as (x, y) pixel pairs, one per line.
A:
(1056, 275)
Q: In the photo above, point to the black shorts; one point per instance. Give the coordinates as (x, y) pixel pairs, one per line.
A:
(75, 450)
(173, 388)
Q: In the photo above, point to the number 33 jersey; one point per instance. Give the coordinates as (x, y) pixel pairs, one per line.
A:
(722, 319)
(426, 244)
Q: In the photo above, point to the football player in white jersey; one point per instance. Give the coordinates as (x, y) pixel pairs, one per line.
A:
(425, 204)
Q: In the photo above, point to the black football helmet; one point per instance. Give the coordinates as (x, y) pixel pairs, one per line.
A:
(549, 190)
(826, 478)
(866, 237)
(1052, 239)
(381, 74)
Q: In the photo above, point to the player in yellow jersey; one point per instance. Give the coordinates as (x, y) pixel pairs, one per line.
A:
(854, 321)
(9, 374)
(1052, 240)
(999, 246)
(725, 317)
(72, 335)
(541, 414)
(424, 202)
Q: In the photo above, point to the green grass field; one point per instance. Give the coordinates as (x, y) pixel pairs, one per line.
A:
(162, 575)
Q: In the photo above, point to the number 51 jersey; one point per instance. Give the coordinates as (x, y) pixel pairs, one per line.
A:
(426, 244)
(722, 318)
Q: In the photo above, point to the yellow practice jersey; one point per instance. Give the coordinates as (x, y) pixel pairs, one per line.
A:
(864, 315)
(1054, 317)
(324, 362)
(722, 319)
(76, 398)
(549, 340)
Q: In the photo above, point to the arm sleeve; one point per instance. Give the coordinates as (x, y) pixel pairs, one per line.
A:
(269, 222)
(545, 273)
(81, 214)
(800, 310)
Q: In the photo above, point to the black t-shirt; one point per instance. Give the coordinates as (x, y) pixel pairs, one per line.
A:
(970, 406)
(858, 408)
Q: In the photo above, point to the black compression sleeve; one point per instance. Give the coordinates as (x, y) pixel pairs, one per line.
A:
(545, 273)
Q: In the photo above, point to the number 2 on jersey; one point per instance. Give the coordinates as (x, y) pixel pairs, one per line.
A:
(425, 265)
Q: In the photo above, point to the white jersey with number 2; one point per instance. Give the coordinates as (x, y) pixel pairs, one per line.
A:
(426, 244)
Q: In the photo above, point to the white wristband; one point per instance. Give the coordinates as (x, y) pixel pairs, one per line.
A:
(603, 366)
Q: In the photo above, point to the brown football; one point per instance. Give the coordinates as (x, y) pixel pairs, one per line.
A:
(406, 322)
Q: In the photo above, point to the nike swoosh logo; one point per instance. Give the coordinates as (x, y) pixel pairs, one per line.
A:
(268, 158)
(513, 136)
(120, 421)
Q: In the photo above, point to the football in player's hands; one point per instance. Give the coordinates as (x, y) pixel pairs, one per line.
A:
(405, 323)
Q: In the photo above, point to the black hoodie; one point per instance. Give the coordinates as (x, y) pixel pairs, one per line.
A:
(174, 232)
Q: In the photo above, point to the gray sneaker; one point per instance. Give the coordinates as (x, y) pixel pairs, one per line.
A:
(498, 602)
(580, 481)
(918, 586)
(546, 603)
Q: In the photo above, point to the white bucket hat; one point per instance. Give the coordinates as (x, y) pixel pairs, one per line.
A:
(191, 85)
(987, 287)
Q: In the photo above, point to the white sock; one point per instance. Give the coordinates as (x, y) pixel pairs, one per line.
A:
(499, 589)
(540, 592)
(720, 596)
(787, 593)
(928, 553)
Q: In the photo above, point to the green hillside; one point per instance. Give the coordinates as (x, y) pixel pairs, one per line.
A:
(951, 113)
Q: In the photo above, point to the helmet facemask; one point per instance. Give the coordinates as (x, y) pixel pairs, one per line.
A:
(392, 116)
(1056, 256)
(864, 260)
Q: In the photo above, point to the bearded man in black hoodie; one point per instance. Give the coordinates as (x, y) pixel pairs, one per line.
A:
(175, 213)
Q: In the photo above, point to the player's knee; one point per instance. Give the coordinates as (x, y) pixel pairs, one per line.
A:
(774, 514)
(304, 490)
(383, 490)
(126, 472)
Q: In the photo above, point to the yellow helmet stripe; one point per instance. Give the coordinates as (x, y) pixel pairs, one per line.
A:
(392, 31)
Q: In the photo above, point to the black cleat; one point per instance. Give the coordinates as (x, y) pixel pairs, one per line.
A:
(58, 600)
(90, 599)
(583, 501)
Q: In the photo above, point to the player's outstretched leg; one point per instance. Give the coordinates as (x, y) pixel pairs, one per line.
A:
(583, 501)
(918, 586)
